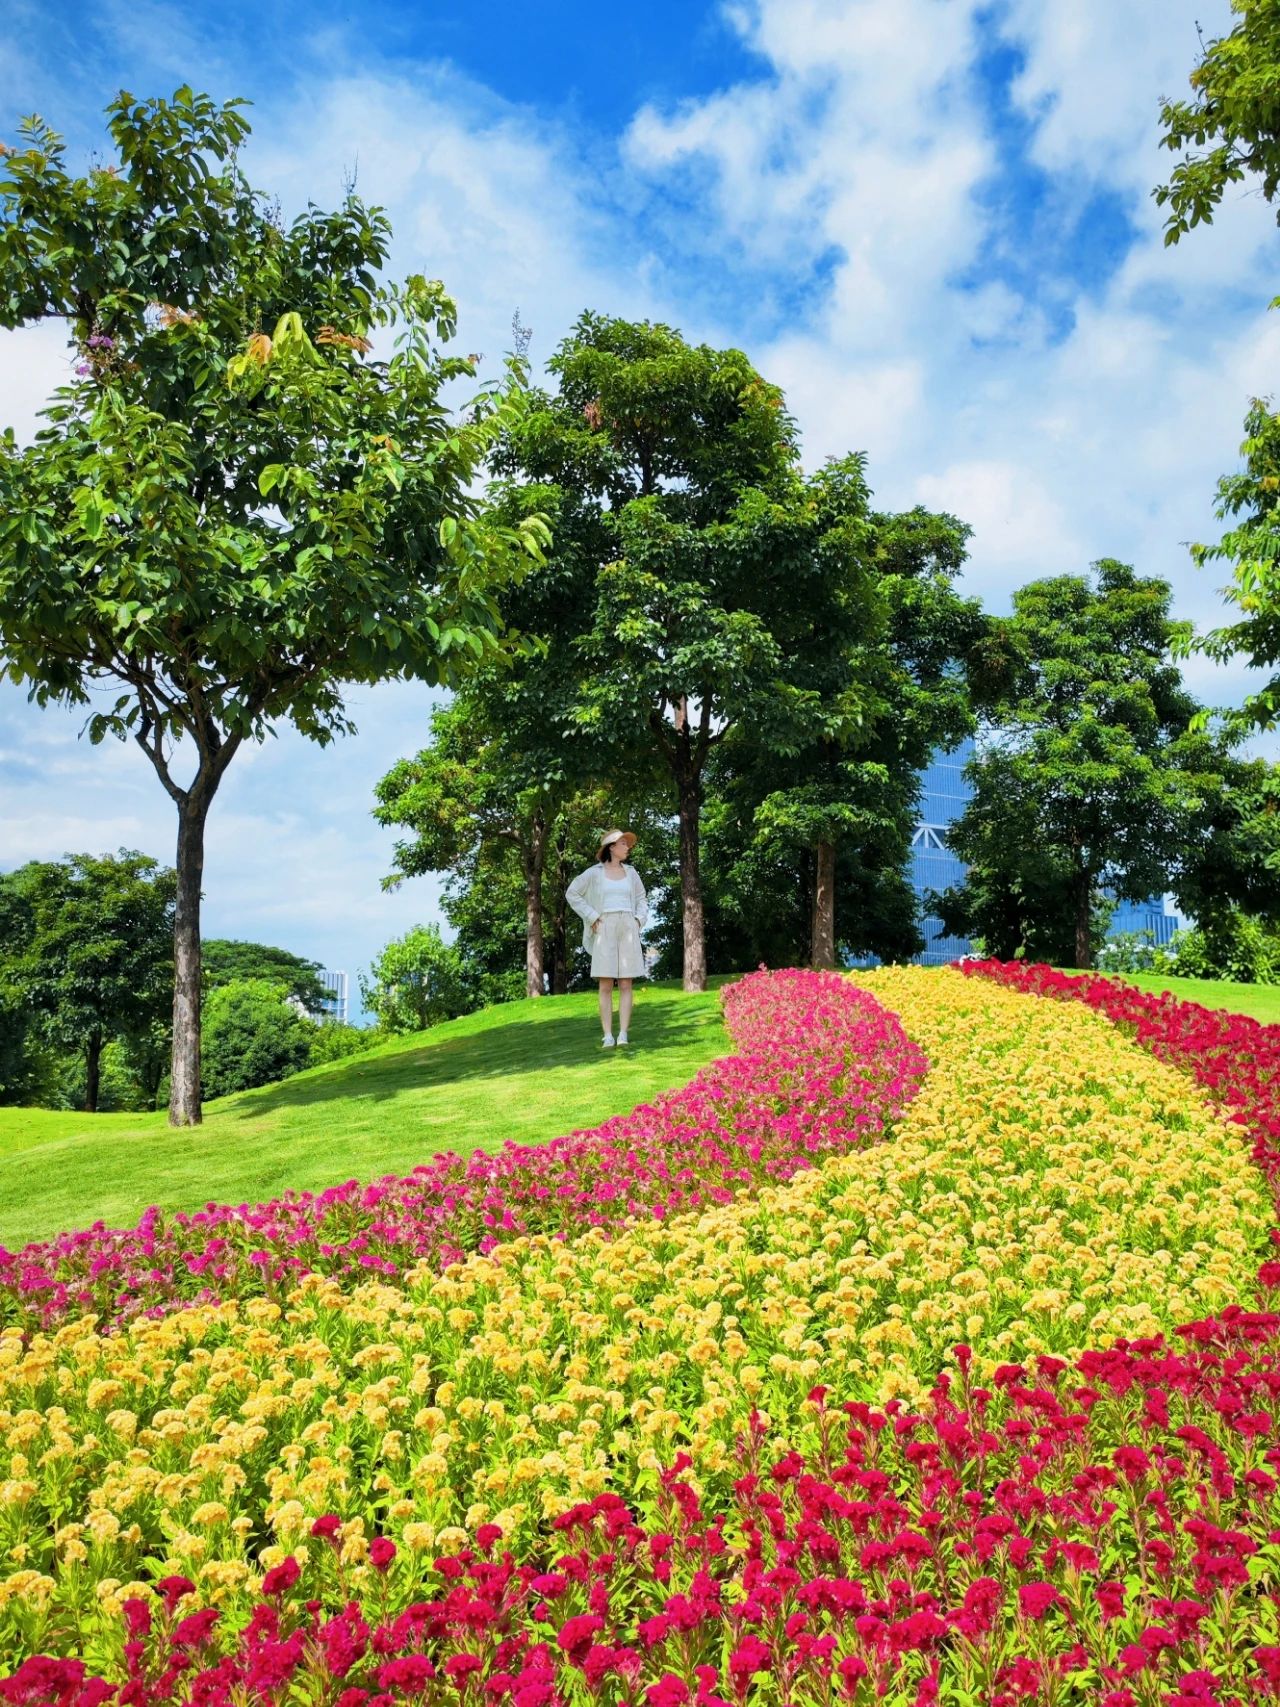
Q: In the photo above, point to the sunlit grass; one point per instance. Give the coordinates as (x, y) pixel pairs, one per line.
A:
(525, 1070)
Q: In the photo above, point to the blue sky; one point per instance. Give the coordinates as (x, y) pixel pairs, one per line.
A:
(929, 220)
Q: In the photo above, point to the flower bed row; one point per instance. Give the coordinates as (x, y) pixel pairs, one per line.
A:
(1050, 1185)
(1235, 1058)
(821, 1067)
(1103, 1533)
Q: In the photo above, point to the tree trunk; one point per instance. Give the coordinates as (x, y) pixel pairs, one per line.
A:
(184, 1086)
(695, 945)
(822, 947)
(92, 1072)
(1084, 921)
(559, 954)
(535, 855)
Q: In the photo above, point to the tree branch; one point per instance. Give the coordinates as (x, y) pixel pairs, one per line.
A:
(659, 727)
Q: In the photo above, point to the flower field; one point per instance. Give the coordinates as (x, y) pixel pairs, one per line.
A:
(708, 1437)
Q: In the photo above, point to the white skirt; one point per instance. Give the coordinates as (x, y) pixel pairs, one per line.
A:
(617, 950)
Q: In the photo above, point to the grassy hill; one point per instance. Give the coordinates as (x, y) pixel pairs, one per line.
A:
(1260, 1001)
(526, 1070)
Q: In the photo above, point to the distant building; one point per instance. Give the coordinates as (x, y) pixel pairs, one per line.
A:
(1154, 916)
(335, 1004)
(946, 793)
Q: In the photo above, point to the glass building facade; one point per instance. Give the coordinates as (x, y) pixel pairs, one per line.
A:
(1153, 916)
(335, 1001)
(945, 795)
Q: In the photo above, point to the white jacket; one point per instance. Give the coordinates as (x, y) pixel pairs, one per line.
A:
(586, 896)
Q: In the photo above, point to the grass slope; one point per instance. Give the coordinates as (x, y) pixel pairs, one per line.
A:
(1261, 1001)
(526, 1070)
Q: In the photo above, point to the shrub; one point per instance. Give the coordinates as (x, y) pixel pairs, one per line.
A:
(1131, 951)
(418, 981)
(252, 1036)
(334, 1042)
(1236, 946)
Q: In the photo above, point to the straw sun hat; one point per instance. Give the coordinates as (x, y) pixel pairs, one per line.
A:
(615, 835)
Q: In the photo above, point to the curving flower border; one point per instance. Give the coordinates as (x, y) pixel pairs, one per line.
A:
(1233, 1057)
(821, 1067)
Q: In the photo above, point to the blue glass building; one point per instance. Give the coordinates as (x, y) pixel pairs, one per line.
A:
(1152, 915)
(946, 793)
(933, 865)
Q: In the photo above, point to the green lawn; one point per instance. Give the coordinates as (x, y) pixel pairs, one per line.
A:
(1262, 1001)
(526, 1070)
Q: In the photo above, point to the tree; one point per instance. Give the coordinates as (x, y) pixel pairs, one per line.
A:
(87, 949)
(489, 806)
(416, 982)
(1251, 547)
(677, 466)
(1093, 774)
(233, 509)
(508, 767)
(227, 961)
(466, 796)
(762, 862)
(252, 1036)
(1233, 120)
(1019, 898)
(882, 658)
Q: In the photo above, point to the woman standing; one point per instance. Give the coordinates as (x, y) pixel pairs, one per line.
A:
(610, 900)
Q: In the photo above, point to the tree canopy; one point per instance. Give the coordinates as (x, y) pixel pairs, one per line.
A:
(252, 1036)
(1093, 772)
(693, 550)
(227, 961)
(1250, 499)
(417, 981)
(1229, 129)
(86, 948)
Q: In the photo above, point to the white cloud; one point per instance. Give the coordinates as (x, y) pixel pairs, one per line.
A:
(480, 194)
(868, 142)
(1016, 520)
(292, 853)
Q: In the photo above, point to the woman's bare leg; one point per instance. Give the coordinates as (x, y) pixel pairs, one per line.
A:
(606, 1006)
(624, 1003)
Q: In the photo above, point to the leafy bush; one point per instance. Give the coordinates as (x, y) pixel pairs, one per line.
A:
(1236, 946)
(333, 1042)
(1132, 951)
(418, 981)
(252, 1036)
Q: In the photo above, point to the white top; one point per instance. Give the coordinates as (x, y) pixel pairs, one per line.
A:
(616, 895)
(590, 890)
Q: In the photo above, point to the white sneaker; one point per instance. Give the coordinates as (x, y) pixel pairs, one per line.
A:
(606, 1042)
(622, 1037)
